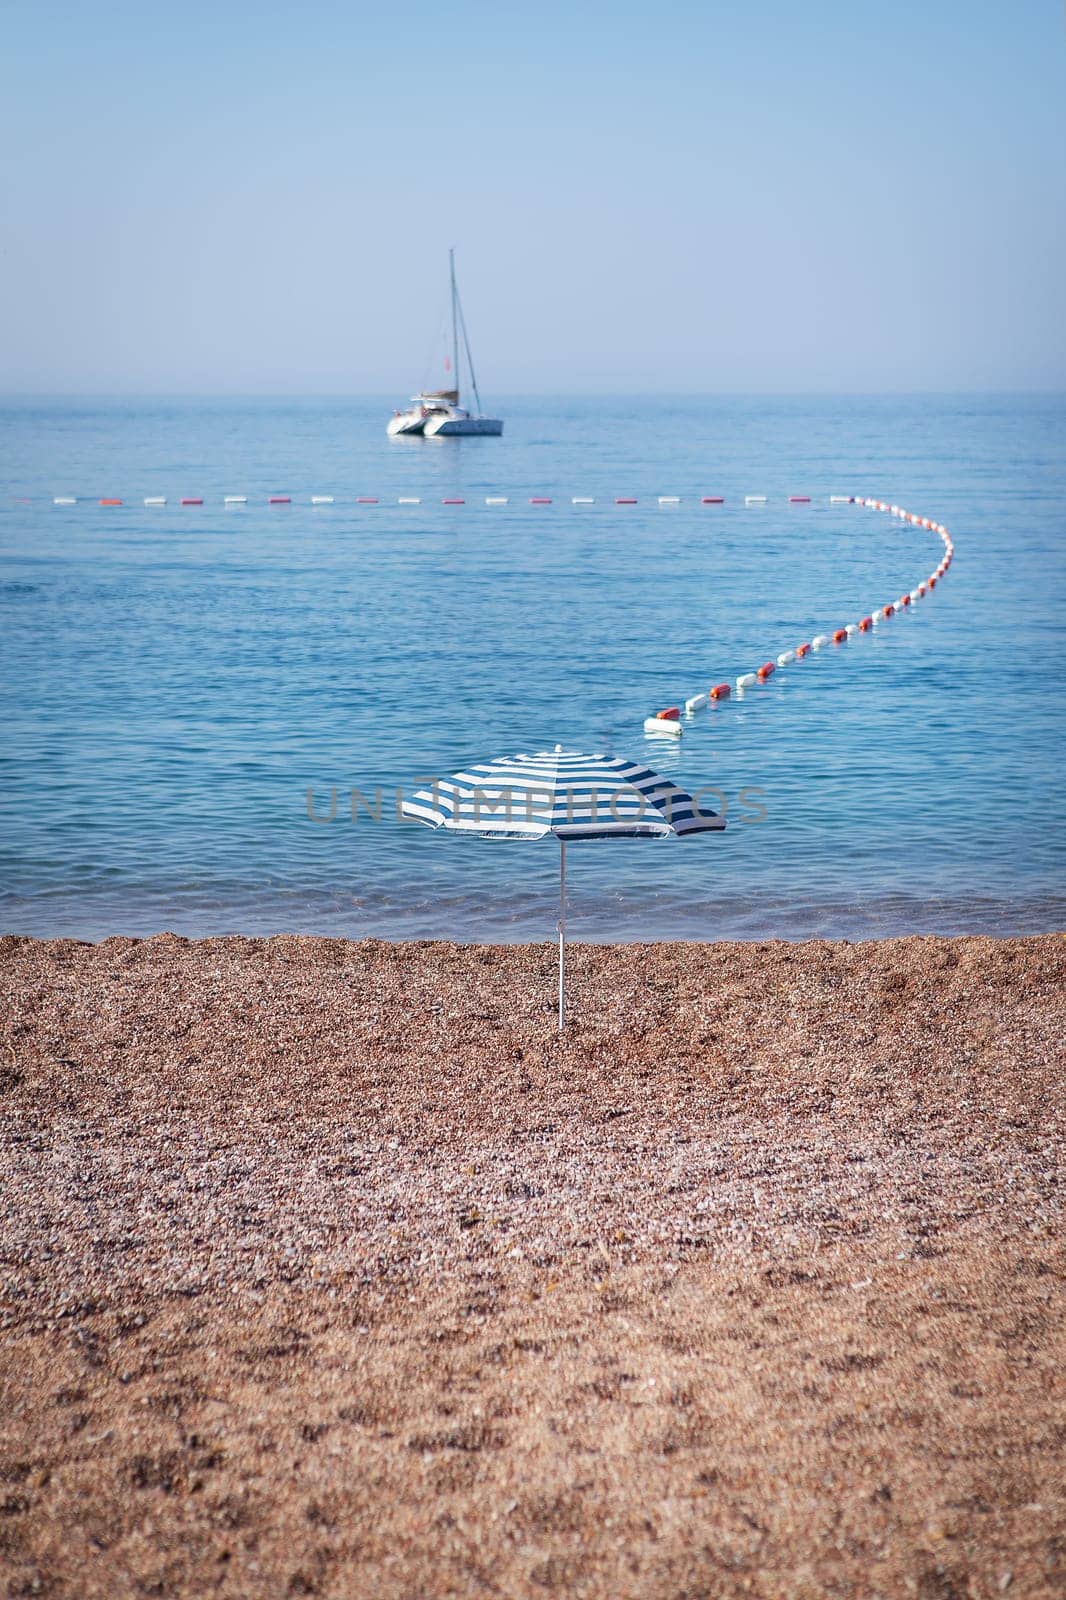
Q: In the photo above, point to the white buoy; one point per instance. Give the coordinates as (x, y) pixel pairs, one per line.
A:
(785, 657)
(838, 500)
(495, 499)
(64, 500)
(582, 500)
(156, 500)
(669, 727)
(321, 499)
(697, 702)
(819, 641)
(236, 500)
(669, 499)
(754, 499)
(875, 617)
(747, 680)
(851, 629)
(915, 596)
(409, 500)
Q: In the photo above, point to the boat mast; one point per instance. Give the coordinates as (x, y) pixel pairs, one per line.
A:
(455, 324)
(469, 357)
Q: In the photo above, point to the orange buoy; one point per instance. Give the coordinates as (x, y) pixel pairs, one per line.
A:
(671, 714)
(904, 599)
(764, 671)
(713, 500)
(110, 502)
(719, 692)
(802, 650)
(866, 624)
(839, 635)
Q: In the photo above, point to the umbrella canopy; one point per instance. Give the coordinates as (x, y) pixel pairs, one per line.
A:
(565, 793)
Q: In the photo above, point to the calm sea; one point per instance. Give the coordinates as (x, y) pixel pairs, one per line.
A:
(176, 680)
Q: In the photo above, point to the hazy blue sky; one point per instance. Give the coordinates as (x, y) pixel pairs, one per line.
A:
(718, 196)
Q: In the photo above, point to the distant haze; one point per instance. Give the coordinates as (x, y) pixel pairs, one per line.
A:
(677, 197)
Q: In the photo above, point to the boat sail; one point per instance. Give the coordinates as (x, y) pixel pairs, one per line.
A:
(436, 413)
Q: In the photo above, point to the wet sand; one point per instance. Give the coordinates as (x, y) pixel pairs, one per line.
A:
(328, 1269)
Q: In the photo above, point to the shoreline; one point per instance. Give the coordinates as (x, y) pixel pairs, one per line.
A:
(884, 916)
(329, 1268)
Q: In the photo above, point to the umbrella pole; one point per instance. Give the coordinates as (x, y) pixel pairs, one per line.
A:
(562, 930)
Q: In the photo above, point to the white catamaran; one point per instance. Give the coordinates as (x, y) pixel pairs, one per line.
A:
(437, 413)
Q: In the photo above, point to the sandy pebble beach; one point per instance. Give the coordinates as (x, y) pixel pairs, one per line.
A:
(326, 1268)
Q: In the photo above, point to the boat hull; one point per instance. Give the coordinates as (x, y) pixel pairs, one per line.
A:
(407, 422)
(462, 427)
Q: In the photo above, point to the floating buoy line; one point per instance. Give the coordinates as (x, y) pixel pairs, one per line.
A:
(448, 500)
(667, 722)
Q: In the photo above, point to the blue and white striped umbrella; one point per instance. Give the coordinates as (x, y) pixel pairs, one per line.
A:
(565, 793)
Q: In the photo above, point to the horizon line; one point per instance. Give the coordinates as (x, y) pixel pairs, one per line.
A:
(532, 394)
